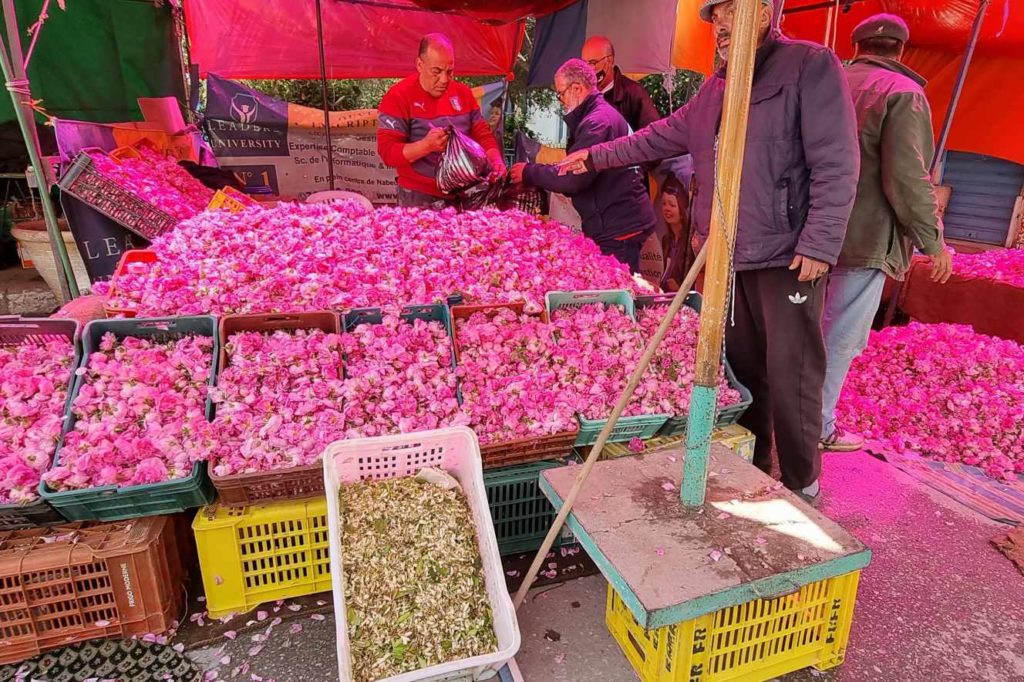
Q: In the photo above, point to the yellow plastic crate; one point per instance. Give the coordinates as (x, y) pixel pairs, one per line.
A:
(738, 439)
(252, 555)
(751, 642)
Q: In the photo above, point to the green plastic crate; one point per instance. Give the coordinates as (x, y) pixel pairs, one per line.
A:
(520, 512)
(676, 424)
(626, 428)
(111, 503)
(577, 299)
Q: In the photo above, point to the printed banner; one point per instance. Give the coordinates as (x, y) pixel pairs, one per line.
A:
(280, 148)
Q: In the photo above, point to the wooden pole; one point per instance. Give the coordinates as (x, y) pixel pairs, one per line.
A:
(602, 438)
(721, 241)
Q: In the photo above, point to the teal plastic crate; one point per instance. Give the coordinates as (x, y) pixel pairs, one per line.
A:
(111, 503)
(675, 425)
(626, 428)
(577, 299)
(520, 512)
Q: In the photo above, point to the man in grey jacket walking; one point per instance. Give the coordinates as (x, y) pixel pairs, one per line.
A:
(895, 202)
(798, 186)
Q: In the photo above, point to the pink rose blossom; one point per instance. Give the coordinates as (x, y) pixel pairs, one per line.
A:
(34, 382)
(278, 401)
(943, 392)
(338, 256)
(140, 414)
(158, 180)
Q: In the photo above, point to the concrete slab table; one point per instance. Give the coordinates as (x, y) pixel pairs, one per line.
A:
(751, 539)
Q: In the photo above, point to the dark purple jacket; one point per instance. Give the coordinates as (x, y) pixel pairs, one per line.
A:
(801, 162)
(631, 100)
(611, 203)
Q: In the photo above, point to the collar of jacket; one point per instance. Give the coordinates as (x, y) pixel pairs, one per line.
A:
(771, 41)
(573, 118)
(892, 65)
(617, 77)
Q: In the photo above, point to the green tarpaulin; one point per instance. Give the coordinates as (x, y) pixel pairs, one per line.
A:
(96, 57)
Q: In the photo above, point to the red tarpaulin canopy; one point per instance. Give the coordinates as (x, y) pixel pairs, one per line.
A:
(278, 38)
(988, 118)
(491, 11)
(989, 114)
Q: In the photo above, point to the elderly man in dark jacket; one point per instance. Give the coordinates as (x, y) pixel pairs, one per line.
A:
(613, 204)
(627, 96)
(895, 203)
(798, 186)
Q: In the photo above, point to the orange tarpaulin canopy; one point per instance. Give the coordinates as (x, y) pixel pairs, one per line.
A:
(988, 117)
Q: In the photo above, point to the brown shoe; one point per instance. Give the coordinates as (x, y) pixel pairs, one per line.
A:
(840, 441)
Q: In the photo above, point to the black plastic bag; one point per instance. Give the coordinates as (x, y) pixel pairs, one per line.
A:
(463, 163)
(482, 195)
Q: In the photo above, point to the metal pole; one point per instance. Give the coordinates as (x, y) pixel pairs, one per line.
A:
(14, 74)
(947, 126)
(721, 243)
(961, 78)
(323, 90)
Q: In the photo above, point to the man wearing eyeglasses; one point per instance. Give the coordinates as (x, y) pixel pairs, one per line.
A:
(613, 205)
(413, 118)
(627, 96)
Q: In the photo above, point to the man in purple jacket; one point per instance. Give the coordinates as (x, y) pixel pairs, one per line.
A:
(799, 182)
(613, 204)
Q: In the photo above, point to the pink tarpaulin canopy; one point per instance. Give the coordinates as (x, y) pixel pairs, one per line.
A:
(278, 39)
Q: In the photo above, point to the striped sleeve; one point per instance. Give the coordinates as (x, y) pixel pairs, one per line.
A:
(392, 130)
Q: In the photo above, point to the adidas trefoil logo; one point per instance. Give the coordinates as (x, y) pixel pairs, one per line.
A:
(797, 298)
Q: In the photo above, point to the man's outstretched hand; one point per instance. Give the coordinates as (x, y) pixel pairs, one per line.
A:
(575, 163)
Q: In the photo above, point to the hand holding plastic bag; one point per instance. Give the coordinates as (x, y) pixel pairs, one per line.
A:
(463, 163)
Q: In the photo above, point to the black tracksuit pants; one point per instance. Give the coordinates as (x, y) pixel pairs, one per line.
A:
(776, 349)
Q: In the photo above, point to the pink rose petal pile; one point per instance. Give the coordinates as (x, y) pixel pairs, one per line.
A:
(398, 378)
(278, 401)
(1000, 265)
(339, 256)
(676, 360)
(941, 391)
(140, 414)
(525, 378)
(157, 180)
(34, 382)
(511, 388)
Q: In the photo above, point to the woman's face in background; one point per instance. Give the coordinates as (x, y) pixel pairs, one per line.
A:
(670, 209)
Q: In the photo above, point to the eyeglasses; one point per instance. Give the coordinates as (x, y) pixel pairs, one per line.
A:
(594, 62)
(561, 93)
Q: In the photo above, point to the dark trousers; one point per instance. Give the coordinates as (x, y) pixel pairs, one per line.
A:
(776, 349)
(409, 198)
(625, 250)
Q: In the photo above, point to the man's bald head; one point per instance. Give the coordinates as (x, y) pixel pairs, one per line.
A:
(599, 52)
(435, 63)
(436, 41)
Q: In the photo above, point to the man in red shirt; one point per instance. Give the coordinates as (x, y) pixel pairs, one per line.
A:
(413, 117)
